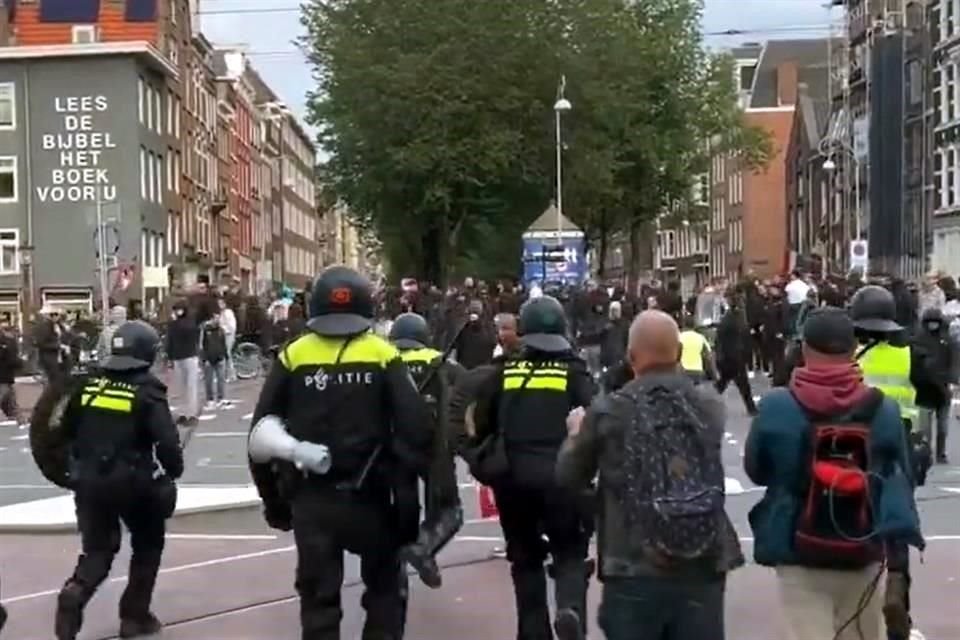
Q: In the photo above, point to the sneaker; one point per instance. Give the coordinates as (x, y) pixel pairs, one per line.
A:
(181, 420)
(136, 628)
(210, 406)
(568, 625)
(498, 552)
(191, 422)
(69, 616)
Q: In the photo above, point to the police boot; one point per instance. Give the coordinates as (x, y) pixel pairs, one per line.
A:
(92, 569)
(418, 556)
(3, 617)
(571, 580)
(135, 617)
(533, 613)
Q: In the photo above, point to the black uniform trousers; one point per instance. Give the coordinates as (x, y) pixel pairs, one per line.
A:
(98, 519)
(526, 516)
(327, 522)
(738, 375)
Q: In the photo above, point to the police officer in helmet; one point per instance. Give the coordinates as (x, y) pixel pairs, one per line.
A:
(342, 386)
(885, 360)
(434, 378)
(115, 422)
(523, 412)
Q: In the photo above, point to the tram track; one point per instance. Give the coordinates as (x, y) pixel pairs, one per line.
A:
(279, 600)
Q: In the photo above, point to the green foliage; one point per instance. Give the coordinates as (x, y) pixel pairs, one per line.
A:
(438, 118)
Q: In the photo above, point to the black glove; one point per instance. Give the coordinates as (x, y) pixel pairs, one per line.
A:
(278, 516)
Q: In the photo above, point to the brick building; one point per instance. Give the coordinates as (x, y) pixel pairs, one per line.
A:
(749, 209)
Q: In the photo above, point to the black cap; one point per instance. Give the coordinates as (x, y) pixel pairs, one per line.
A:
(829, 330)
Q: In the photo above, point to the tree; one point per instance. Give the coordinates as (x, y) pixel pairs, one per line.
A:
(434, 117)
(438, 118)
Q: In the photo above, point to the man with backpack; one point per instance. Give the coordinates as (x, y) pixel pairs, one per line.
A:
(665, 541)
(838, 507)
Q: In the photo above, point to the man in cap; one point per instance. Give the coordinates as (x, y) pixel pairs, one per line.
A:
(342, 386)
(521, 424)
(124, 458)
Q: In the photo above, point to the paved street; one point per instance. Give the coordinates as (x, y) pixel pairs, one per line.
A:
(226, 575)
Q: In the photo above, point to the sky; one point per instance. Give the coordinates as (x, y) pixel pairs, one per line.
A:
(267, 34)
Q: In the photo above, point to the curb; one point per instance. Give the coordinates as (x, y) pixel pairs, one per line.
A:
(70, 526)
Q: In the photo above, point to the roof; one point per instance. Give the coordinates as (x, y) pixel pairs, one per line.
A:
(142, 50)
(810, 57)
(548, 221)
(747, 51)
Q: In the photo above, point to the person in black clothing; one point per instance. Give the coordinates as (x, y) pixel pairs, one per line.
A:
(932, 362)
(613, 346)
(475, 344)
(733, 352)
(213, 357)
(774, 344)
(522, 409)
(124, 459)
(10, 364)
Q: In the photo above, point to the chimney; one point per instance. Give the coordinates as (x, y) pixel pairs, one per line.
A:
(787, 84)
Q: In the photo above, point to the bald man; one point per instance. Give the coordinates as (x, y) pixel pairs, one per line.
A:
(655, 589)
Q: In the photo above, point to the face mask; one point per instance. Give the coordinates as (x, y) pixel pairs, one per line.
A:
(474, 317)
(933, 327)
(180, 313)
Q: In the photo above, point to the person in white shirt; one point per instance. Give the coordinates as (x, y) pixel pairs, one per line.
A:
(796, 289)
(228, 322)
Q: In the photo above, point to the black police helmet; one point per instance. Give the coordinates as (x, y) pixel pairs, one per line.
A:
(409, 331)
(543, 325)
(133, 346)
(341, 303)
(874, 309)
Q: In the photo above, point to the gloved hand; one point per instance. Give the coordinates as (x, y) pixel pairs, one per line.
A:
(895, 605)
(278, 516)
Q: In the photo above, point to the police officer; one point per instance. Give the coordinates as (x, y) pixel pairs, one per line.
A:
(434, 378)
(115, 423)
(885, 363)
(340, 385)
(523, 411)
(696, 357)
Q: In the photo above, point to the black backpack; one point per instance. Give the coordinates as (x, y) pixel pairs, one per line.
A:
(674, 474)
(835, 526)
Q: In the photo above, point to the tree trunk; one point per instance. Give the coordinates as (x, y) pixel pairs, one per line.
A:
(633, 264)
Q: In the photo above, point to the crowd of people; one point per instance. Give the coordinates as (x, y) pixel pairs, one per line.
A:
(867, 371)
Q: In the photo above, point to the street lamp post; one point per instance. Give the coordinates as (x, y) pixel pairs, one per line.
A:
(560, 106)
(829, 148)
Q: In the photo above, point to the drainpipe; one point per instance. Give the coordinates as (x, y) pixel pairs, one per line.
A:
(28, 175)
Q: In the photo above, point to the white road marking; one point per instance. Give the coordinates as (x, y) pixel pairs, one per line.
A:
(203, 462)
(3, 448)
(8, 423)
(177, 569)
(207, 416)
(25, 450)
(478, 539)
(467, 485)
(12, 487)
(18, 438)
(223, 434)
(249, 416)
(207, 536)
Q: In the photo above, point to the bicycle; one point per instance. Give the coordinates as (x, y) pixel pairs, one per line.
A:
(249, 361)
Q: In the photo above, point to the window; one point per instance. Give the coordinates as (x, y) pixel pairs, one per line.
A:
(669, 244)
(143, 173)
(149, 101)
(159, 99)
(8, 179)
(140, 89)
(176, 117)
(9, 251)
(84, 34)
(8, 106)
(169, 113)
(151, 181)
(158, 172)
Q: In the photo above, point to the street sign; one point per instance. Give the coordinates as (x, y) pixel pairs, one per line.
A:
(859, 257)
(111, 240)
